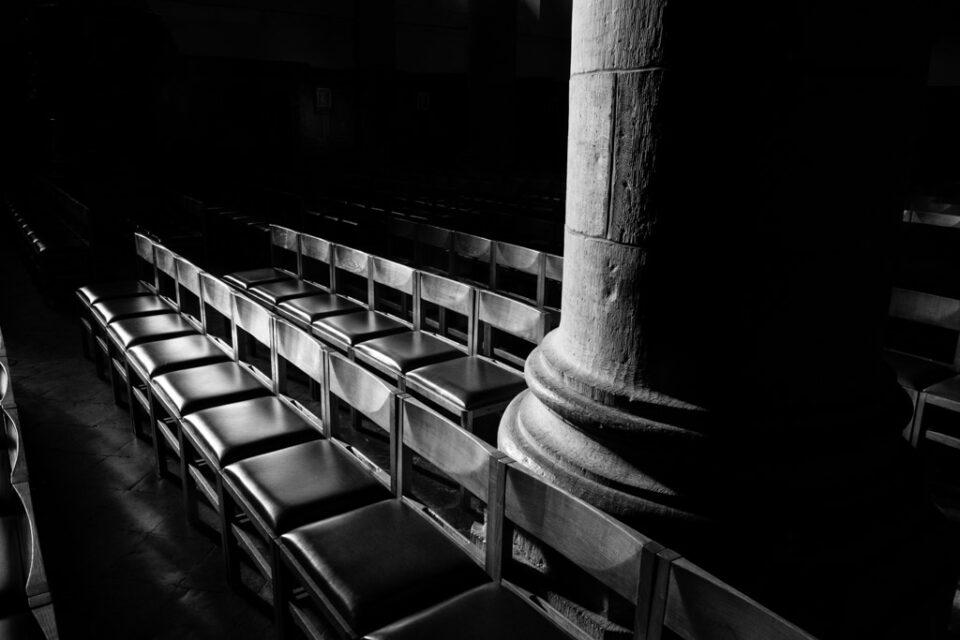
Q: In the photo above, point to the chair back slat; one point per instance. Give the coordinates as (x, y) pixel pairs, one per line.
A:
(165, 260)
(925, 308)
(470, 246)
(393, 274)
(553, 269)
(512, 316)
(447, 293)
(252, 318)
(217, 294)
(460, 455)
(362, 390)
(351, 260)
(518, 258)
(701, 607)
(599, 544)
(315, 248)
(432, 236)
(284, 238)
(300, 349)
(188, 275)
(144, 247)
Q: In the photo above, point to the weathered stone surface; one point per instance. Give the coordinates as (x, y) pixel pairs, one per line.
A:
(616, 34)
(588, 152)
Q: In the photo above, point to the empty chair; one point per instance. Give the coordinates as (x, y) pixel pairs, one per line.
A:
(695, 605)
(923, 343)
(519, 271)
(344, 331)
(396, 354)
(216, 436)
(148, 360)
(273, 293)
(382, 562)
(605, 550)
(304, 310)
(482, 384)
(284, 260)
(268, 494)
(178, 393)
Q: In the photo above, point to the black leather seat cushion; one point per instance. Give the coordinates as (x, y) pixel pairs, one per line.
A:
(381, 562)
(350, 328)
(21, 626)
(254, 277)
(488, 611)
(164, 356)
(916, 373)
(120, 308)
(238, 430)
(201, 387)
(307, 309)
(304, 483)
(467, 383)
(111, 290)
(13, 575)
(276, 292)
(402, 352)
(134, 331)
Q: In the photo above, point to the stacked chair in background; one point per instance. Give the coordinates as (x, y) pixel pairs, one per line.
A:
(311, 430)
(26, 605)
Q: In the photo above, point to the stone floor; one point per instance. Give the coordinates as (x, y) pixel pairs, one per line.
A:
(122, 562)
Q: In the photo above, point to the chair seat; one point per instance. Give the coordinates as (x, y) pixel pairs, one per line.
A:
(303, 483)
(164, 356)
(307, 309)
(916, 373)
(348, 329)
(21, 626)
(111, 290)
(238, 430)
(246, 279)
(380, 563)
(488, 611)
(119, 308)
(133, 331)
(214, 384)
(466, 383)
(402, 352)
(276, 292)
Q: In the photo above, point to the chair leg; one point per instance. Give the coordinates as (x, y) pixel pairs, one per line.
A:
(231, 550)
(159, 442)
(191, 506)
(281, 597)
(917, 425)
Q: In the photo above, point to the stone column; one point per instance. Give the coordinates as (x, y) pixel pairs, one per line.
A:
(734, 177)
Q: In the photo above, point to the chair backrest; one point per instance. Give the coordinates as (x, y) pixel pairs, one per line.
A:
(146, 262)
(165, 263)
(400, 279)
(253, 321)
(216, 295)
(451, 295)
(188, 286)
(283, 243)
(369, 395)
(617, 556)
(314, 249)
(297, 347)
(553, 267)
(938, 312)
(434, 247)
(472, 247)
(522, 260)
(697, 606)
(354, 262)
(511, 316)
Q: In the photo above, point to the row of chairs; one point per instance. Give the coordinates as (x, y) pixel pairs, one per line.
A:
(368, 530)
(26, 606)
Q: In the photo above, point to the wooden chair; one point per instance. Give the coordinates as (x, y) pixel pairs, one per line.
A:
(394, 355)
(220, 435)
(519, 271)
(917, 357)
(382, 562)
(303, 311)
(274, 490)
(483, 384)
(144, 285)
(176, 394)
(148, 360)
(695, 605)
(472, 259)
(344, 331)
(274, 293)
(284, 258)
(621, 560)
